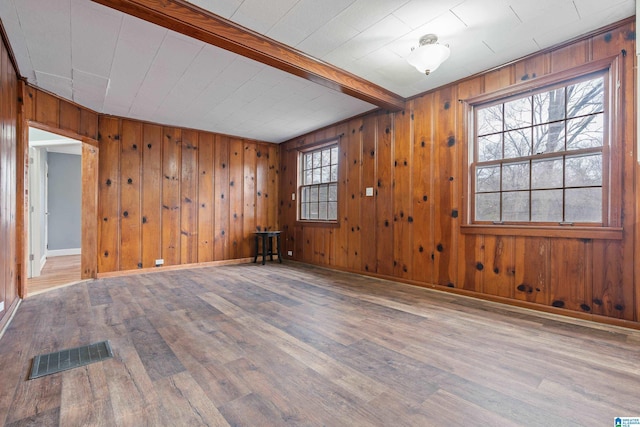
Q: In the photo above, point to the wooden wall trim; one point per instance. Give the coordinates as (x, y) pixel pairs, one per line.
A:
(192, 21)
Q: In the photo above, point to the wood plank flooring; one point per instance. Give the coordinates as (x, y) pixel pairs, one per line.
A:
(57, 271)
(294, 345)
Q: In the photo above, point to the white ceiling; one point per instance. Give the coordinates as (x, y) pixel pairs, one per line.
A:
(117, 64)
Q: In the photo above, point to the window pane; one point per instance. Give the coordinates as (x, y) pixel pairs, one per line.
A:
(334, 173)
(313, 210)
(515, 206)
(307, 161)
(304, 211)
(488, 178)
(583, 171)
(489, 119)
(489, 148)
(546, 206)
(326, 174)
(305, 194)
(323, 192)
(517, 143)
(308, 177)
(333, 192)
(332, 210)
(313, 196)
(326, 157)
(515, 176)
(517, 113)
(585, 97)
(334, 155)
(316, 176)
(548, 138)
(317, 159)
(322, 210)
(488, 207)
(585, 132)
(548, 106)
(546, 174)
(584, 204)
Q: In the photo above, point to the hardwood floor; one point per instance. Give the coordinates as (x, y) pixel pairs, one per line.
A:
(295, 345)
(58, 271)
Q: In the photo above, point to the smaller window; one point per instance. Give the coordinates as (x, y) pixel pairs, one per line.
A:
(318, 189)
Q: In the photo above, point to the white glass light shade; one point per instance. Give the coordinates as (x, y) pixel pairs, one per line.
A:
(428, 56)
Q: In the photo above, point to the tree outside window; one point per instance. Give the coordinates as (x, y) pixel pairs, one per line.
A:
(318, 192)
(538, 158)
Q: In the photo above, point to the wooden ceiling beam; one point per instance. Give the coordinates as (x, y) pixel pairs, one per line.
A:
(193, 21)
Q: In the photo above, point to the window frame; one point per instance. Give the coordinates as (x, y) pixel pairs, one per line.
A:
(301, 152)
(612, 161)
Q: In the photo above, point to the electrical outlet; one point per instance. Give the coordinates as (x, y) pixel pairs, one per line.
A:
(159, 262)
(369, 191)
(293, 196)
(290, 253)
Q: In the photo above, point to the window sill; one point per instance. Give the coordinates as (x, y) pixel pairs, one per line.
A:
(312, 223)
(604, 233)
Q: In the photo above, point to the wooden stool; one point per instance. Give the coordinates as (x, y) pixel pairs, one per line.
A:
(267, 248)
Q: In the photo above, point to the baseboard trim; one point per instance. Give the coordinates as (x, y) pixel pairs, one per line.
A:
(63, 252)
(175, 267)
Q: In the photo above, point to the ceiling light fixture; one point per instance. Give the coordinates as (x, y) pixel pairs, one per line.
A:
(429, 54)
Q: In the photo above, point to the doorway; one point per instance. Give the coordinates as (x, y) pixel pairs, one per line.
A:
(55, 211)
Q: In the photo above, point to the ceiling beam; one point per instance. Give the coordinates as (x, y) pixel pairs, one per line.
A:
(193, 21)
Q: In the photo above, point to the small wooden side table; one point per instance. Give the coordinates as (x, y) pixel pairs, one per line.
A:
(267, 245)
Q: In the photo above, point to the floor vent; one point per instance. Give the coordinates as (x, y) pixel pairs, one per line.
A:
(51, 363)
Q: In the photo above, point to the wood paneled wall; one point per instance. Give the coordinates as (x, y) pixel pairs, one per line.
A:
(180, 195)
(8, 183)
(411, 229)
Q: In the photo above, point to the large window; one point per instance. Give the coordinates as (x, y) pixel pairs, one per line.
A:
(541, 157)
(318, 189)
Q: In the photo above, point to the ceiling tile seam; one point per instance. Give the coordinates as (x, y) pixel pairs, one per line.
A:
(113, 59)
(24, 35)
(516, 14)
(335, 16)
(360, 32)
(577, 10)
(282, 17)
(135, 97)
(458, 18)
(179, 79)
(203, 91)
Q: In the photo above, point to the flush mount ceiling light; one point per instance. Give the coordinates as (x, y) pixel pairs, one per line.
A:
(429, 54)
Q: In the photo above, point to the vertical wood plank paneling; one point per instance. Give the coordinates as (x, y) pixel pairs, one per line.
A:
(423, 146)
(368, 206)
(402, 194)
(47, 108)
(341, 234)
(189, 197)
(533, 270)
(152, 181)
(130, 159)
(569, 273)
(354, 150)
(384, 193)
(610, 296)
(69, 117)
(206, 197)
(221, 203)
(445, 205)
(236, 191)
(109, 190)
(570, 56)
(249, 163)
(171, 168)
(90, 221)
(5, 184)
(88, 124)
(499, 266)
(11, 116)
(271, 197)
(286, 205)
(262, 188)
